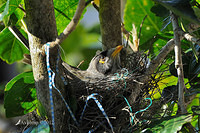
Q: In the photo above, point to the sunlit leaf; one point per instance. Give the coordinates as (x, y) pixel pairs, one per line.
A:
(5, 12)
(10, 7)
(41, 110)
(135, 11)
(11, 49)
(169, 124)
(64, 12)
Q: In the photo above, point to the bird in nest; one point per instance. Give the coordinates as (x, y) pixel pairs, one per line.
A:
(102, 64)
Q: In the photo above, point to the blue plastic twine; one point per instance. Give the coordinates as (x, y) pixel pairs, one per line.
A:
(50, 87)
(52, 84)
(68, 108)
(142, 110)
(92, 96)
(121, 76)
(65, 83)
(129, 108)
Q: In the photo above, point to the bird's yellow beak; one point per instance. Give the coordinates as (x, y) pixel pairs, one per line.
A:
(117, 50)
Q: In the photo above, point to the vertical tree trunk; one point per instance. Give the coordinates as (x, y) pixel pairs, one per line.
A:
(41, 25)
(110, 21)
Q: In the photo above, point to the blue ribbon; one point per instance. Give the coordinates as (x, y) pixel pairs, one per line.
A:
(142, 110)
(50, 87)
(92, 96)
(121, 76)
(51, 75)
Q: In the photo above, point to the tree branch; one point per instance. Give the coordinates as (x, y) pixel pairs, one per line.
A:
(189, 37)
(178, 64)
(72, 25)
(160, 57)
(167, 48)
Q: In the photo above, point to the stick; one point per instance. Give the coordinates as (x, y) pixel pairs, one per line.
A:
(178, 64)
(71, 26)
(160, 57)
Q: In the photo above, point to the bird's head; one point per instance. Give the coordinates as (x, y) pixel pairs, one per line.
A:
(106, 61)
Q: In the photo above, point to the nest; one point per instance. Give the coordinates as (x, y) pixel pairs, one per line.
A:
(116, 93)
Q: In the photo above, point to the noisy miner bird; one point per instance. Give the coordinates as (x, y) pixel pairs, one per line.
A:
(103, 63)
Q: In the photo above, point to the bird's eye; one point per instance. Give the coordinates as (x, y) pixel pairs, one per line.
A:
(102, 60)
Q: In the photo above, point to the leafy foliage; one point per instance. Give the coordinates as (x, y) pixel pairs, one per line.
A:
(20, 95)
(135, 11)
(153, 40)
(11, 49)
(169, 124)
(64, 12)
(11, 7)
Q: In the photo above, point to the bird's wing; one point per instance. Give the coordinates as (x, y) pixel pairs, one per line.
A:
(85, 76)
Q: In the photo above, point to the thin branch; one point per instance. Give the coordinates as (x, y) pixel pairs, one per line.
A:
(141, 29)
(189, 37)
(72, 25)
(178, 64)
(167, 48)
(160, 57)
(193, 27)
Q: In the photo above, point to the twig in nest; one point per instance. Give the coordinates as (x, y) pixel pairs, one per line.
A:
(135, 47)
(80, 64)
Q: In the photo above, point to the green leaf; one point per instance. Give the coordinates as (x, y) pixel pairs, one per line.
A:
(41, 110)
(14, 4)
(10, 8)
(196, 110)
(169, 124)
(135, 11)
(20, 95)
(64, 12)
(5, 12)
(11, 49)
